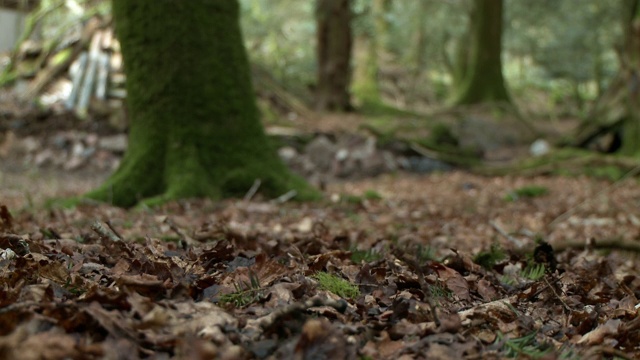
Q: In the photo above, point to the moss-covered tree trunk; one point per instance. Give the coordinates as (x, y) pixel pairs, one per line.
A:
(334, 37)
(482, 79)
(194, 124)
(418, 53)
(368, 47)
(627, 83)
(618, 109)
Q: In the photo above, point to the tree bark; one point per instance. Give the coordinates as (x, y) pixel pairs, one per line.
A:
(618, 109)
(369, 45)
(482, 79)
(334, 39)
(630, 75)
(195, 128)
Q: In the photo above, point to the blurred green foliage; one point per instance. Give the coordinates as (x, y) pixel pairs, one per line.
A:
(558, 55)
(530, 191)
(368, 255)
(489, 259)
(551, 48)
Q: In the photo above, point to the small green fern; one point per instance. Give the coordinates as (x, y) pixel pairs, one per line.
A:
(246, 293)
(526, 346)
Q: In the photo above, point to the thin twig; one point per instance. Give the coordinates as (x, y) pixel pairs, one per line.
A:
(286, 197)
(104, 232)
(108, 222)
(607, 244)
(252, 191)
(556, 294)
(183, 236)
(501, 231)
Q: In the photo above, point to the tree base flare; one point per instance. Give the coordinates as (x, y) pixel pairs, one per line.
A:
(129, 187)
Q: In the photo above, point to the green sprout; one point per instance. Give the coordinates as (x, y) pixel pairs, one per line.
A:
(372, 195)
(425, 253)
(352, 199)
(488, 259)
(370, 255)
(526, 192)
(523, 346)
(440, 291)
(534, 271)
(246, 293)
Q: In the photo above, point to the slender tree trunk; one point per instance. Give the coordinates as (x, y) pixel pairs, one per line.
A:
(195, 128)
(482, 79)
(368, 48)
(334, 39)
(418, 52)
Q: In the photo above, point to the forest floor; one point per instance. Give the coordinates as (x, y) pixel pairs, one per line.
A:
(447, 265)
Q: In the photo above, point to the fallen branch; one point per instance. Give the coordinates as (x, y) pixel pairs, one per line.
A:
(30, 25)
(607, 244)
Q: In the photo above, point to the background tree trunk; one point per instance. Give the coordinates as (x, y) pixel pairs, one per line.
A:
(369, 45)
(618, 109)
(630, 74)
(195, 128)
(334, 54)
(482, 79)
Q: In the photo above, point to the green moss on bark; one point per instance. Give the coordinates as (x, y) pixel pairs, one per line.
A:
(195, 129)
(482, 79)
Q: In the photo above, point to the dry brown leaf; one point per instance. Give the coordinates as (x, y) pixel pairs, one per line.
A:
(599, 334)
